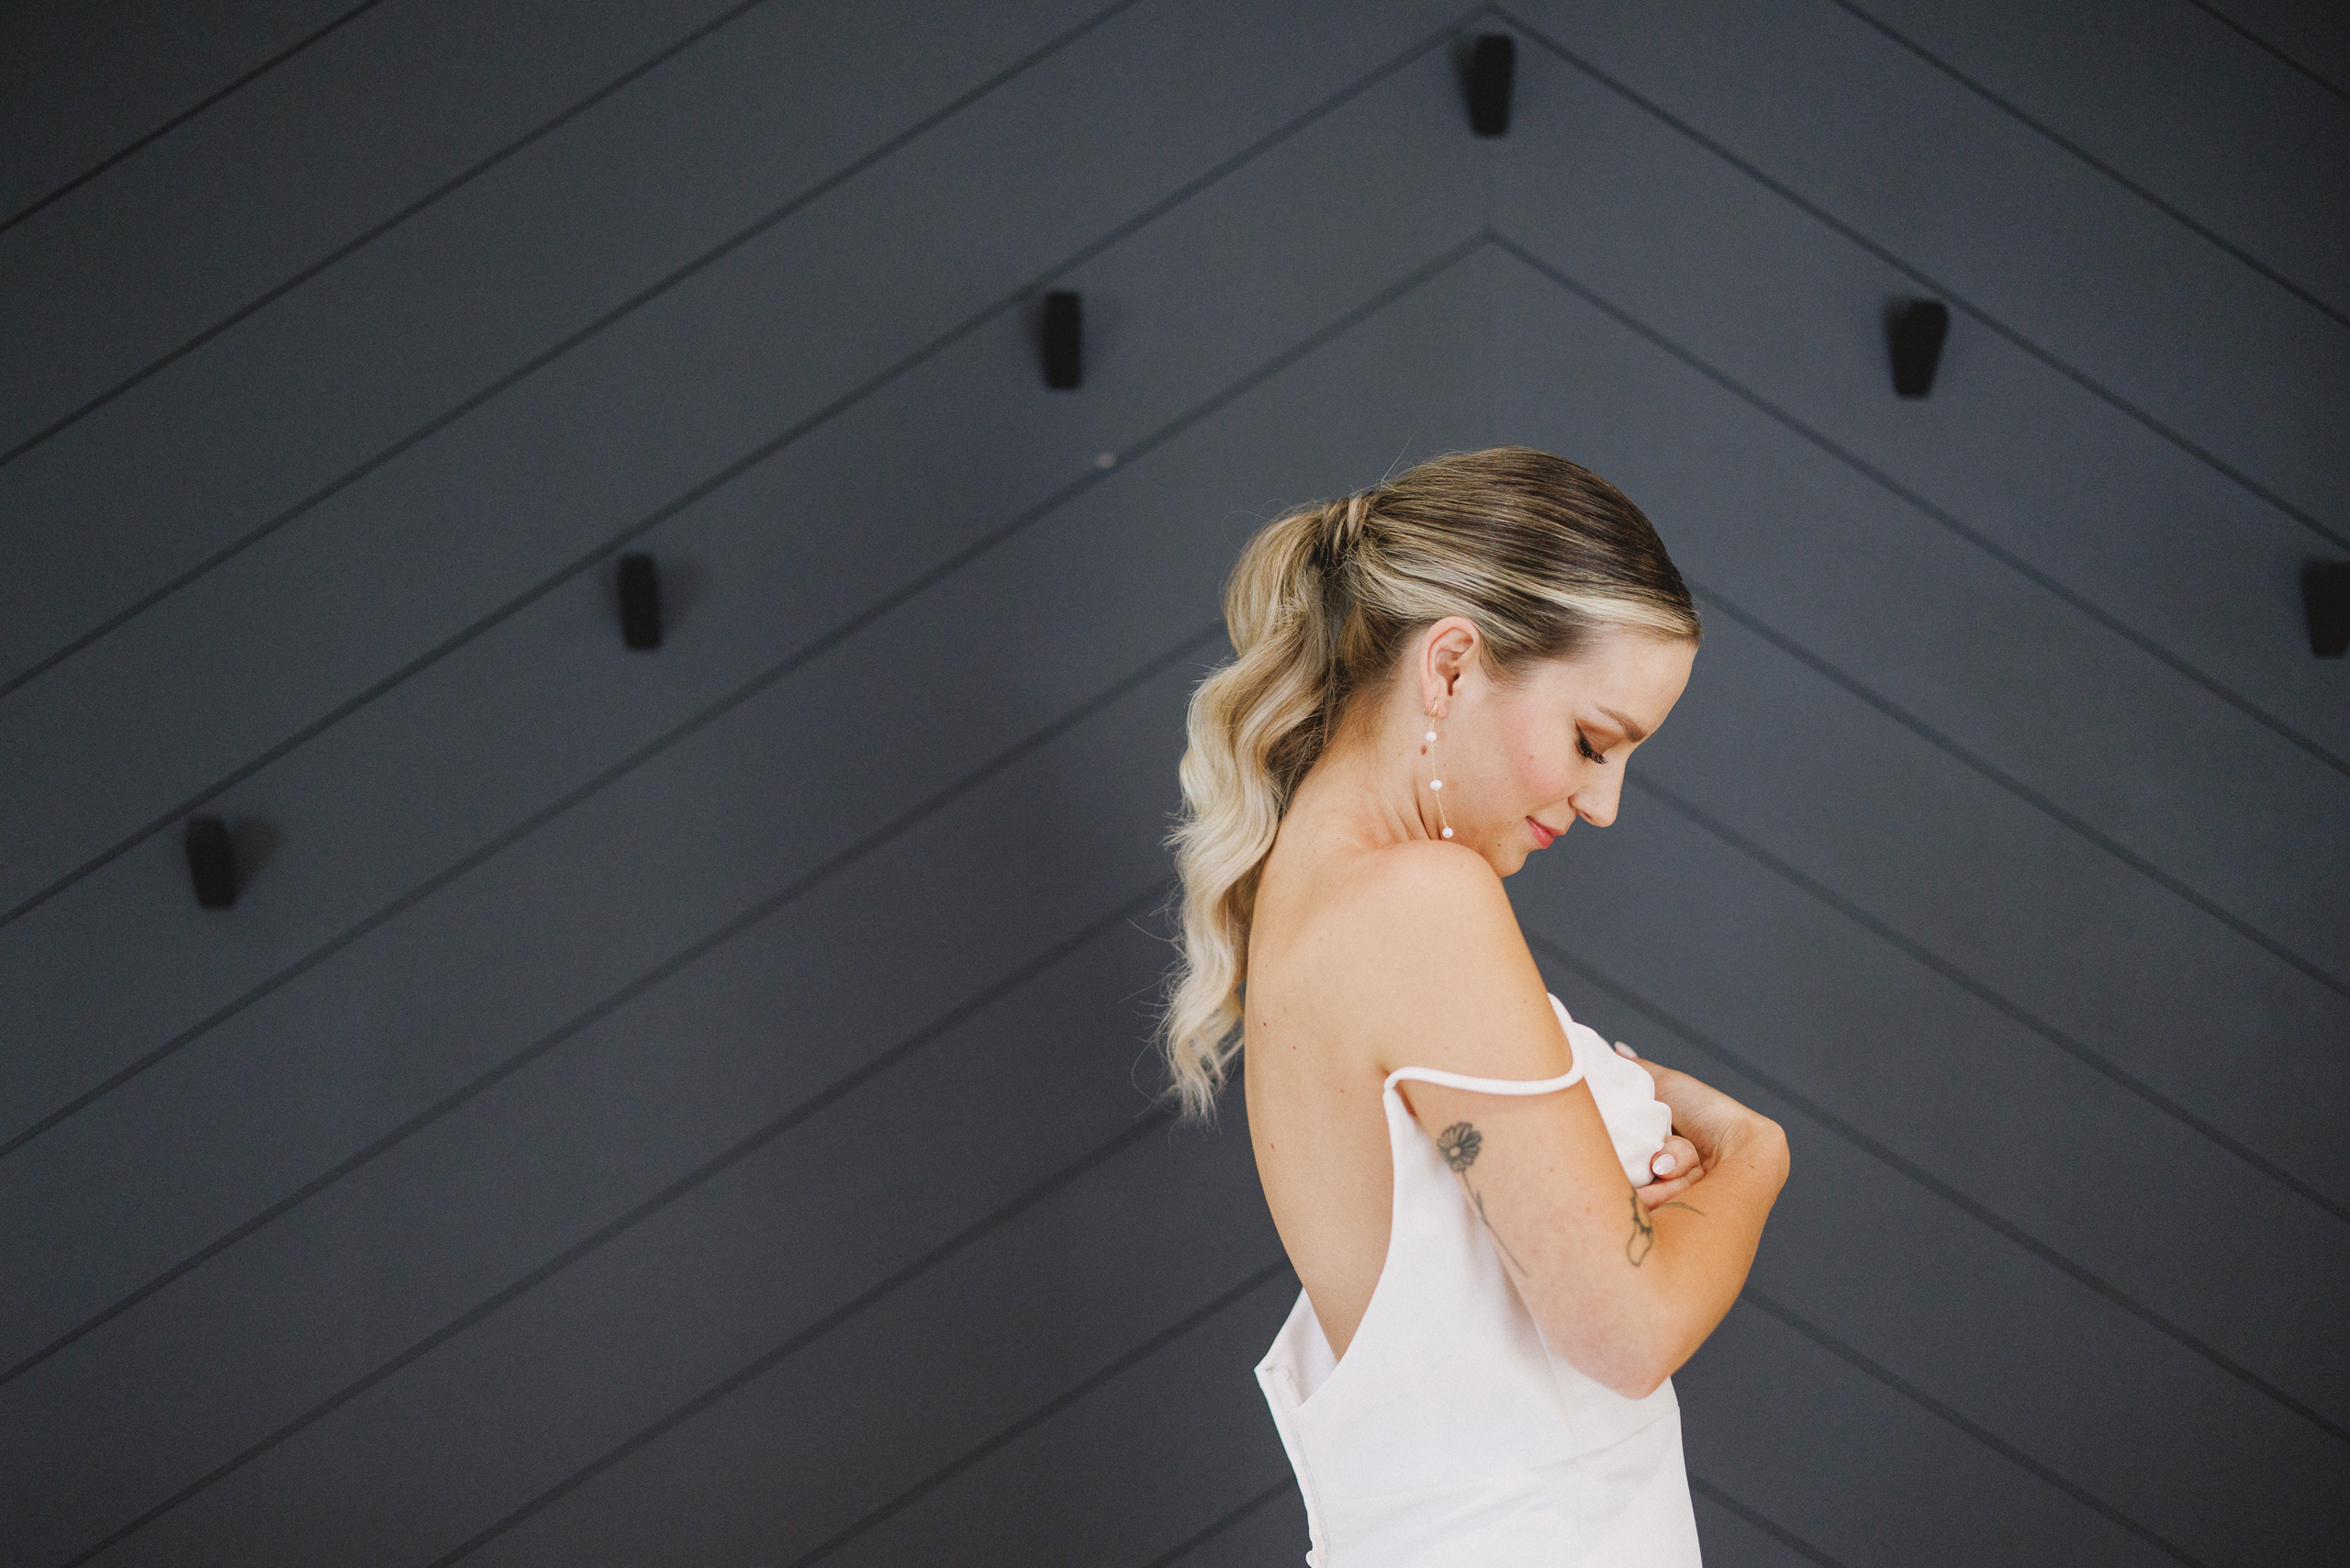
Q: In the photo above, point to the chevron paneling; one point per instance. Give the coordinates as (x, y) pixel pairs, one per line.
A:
(693, 1107)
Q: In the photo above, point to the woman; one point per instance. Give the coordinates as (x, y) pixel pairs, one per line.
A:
(1508, 1237)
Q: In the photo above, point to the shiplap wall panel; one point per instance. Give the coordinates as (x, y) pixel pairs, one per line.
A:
(388, 572)
(472, 289)
(2174, 100)
(1034, 617)
(363, 1275)
(2105, 732)
(1865, 1253)
(2315, 38)
(1076, 1280)
(1728, 1537)
(83, 83)
(1865, 1475)
(2201, 1017)
(1965, 1092)
(1852, 574)
(929, 661)
(2008, 222)
(714, 1487)
(138, 1127)
(985, 1340)
(1036, 1499)
(537, 729)
(750, 1235)
(1711, 258)
(304, 161)
(1266, 1528)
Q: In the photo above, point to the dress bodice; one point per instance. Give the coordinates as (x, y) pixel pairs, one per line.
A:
(1451, 1433)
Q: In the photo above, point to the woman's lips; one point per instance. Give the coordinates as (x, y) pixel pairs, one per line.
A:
(1542, 835)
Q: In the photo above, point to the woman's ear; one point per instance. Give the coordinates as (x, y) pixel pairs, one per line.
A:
(1444, 652)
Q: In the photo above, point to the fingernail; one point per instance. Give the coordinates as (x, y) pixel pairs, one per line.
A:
(1661, 1165)
(1626, 1049)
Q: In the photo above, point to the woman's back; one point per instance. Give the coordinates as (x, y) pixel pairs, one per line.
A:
(1311, 1076)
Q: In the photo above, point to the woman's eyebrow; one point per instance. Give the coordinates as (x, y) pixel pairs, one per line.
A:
(1632, 731)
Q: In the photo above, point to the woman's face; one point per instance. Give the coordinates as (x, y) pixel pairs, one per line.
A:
(1521, 762)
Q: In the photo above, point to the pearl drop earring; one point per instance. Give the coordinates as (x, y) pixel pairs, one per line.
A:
(1437, 784)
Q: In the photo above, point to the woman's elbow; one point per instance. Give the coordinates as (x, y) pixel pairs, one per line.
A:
(1623, 1356)
(1638, 1379)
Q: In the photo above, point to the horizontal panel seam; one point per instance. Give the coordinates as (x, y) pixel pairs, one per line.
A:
(2262, 44)
(1754, 1516)
(1951, 1416)
(1035, 1418)
(177, 121)
(1288, 1482)
(2051, 135)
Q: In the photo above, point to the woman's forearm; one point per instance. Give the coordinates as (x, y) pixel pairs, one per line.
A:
(1695, 1251)
(1632, 1313)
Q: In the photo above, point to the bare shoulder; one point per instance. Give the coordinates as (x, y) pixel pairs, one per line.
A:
(1440, 971)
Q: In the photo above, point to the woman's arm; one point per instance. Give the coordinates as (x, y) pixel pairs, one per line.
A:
(1623, 1293)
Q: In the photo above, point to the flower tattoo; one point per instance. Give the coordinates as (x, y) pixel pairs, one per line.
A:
(1459, 1144)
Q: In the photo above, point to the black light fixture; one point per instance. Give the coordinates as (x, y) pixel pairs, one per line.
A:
(1491, 66)
(1917, 335)
(639, 602)
(211, 863)
(1064, 338)
(2325, 595)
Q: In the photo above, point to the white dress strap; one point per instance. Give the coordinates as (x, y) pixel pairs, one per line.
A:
(1490, 1085)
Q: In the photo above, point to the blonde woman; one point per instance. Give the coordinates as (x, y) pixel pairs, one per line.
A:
(1508, 1235)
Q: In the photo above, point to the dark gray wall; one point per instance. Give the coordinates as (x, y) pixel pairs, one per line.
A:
(690, 1107)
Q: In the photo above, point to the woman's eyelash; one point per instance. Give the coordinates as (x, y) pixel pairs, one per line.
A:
(1583, 743)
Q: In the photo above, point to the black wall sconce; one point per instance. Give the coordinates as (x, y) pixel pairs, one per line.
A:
(1064, 340)
(2325, 595)
(1491, 66)
(211, 863)
(639, 602)
(1917, 335)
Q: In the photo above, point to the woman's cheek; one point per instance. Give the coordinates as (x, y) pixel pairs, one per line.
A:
(1546, 779)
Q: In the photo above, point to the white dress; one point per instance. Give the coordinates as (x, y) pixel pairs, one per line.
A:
(1452, 1434)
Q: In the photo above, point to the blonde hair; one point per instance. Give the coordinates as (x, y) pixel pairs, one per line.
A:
(1538, 552)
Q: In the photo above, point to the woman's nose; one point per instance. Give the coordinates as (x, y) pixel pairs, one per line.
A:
(1596, 804)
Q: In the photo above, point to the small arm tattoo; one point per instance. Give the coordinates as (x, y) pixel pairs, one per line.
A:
(1480, 1200)
(1644, 1237)
(1677, 1204)
(1460, 1144)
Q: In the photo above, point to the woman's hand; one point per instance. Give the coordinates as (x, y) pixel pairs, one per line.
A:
(1705, 1122)
(1673, 1169)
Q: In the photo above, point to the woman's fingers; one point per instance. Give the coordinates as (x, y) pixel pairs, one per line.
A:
(1672, 1169)
(1677, 1157)
(1657, 1193)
